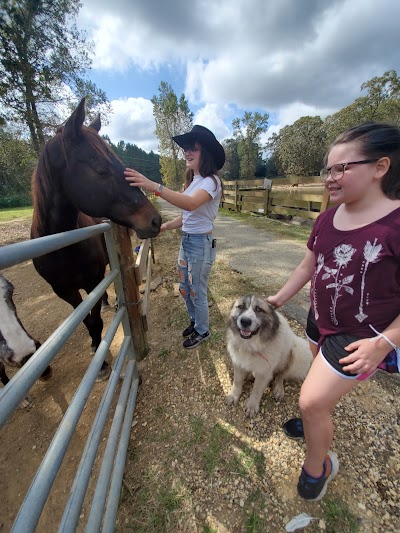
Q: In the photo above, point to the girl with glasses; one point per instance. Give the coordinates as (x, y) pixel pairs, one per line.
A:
(353, 263)
(199, 202)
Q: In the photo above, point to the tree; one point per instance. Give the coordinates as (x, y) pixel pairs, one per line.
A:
(299, 148)
(173, 117)
(133, 156)
(42, 59)
(382, 103)
(231, 168)
(247, 131)
(17, 162)
(271, 170)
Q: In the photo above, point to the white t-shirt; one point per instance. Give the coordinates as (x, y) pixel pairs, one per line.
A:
(201, 220)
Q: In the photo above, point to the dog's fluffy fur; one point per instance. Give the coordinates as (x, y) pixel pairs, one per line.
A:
(260, 341)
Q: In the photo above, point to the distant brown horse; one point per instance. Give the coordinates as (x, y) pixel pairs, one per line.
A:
(79, 179)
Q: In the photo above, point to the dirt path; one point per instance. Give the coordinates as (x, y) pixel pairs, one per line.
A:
(195, 464)
(259, 256)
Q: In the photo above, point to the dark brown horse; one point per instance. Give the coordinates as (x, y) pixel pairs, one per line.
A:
(79, 179)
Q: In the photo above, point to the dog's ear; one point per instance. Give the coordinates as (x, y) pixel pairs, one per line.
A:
(268, 304)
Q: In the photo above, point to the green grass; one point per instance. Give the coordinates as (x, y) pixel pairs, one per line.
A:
(253, 523)
(165, 352)
(217, 441)
(197, 425)
(159, 507)
(338, 517)
(15, 212)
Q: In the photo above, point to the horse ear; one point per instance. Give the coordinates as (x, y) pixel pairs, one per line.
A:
(73, 126)
(96, 123)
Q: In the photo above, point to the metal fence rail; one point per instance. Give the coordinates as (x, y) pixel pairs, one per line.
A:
(106, 497)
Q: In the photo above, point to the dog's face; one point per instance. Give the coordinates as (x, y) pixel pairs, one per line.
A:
(249, 314)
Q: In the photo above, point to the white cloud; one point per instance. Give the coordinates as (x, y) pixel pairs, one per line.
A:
(213, 117)
(132, 121)
(287, 58)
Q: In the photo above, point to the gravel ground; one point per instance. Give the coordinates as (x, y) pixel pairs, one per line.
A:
(14, 231)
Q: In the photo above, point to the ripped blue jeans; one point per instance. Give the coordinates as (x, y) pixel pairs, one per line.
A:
(195, 260)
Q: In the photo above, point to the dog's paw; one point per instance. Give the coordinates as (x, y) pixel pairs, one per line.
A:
(278, 392)
(251, 408)
(232, 400)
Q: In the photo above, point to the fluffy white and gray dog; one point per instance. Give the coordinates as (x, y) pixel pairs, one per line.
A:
(261, 342)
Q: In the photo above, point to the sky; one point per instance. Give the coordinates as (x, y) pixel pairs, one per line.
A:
(287, 58)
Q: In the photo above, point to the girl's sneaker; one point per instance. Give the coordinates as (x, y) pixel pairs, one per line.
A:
(195, 339)
(293, 428)
(314, 489)
(189, 330)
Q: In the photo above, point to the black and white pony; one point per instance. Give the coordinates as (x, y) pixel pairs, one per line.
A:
(16, 345)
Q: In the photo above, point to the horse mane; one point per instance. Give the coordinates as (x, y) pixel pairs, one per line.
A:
(45, 174)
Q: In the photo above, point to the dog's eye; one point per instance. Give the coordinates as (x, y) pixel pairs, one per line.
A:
(259, 309)
(240, 306)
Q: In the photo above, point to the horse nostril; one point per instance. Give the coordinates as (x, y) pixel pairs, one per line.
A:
(156, 222)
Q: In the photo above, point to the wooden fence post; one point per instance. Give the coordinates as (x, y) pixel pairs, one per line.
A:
(236, 195)
(325, 201)
(131, 290)
(267, 188)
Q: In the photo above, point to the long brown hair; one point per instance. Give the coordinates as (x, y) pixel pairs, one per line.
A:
(378, 140)
(208, 168)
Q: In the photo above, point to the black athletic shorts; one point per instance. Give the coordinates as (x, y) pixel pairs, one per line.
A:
(333, 349)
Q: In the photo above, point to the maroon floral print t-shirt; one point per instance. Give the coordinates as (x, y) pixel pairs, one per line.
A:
(356, 279)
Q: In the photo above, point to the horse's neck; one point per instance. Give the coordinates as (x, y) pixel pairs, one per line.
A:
(64, 216)
(56, 214)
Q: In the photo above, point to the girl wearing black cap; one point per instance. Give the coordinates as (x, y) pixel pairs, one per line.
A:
(199, 203)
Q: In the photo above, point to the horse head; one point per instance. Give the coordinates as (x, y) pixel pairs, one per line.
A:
(93, 178)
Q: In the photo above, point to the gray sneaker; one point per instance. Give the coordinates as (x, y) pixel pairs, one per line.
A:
(195, 339)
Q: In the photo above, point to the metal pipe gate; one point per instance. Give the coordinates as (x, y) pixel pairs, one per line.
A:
(104, 505)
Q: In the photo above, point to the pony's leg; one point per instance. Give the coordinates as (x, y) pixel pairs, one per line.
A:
(104, 301)
(47, 372)
(4, 379)
(93, 323)
(3, 376)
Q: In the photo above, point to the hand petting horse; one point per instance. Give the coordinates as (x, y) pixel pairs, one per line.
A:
(78, 181)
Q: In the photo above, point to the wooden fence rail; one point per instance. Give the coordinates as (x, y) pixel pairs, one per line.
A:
(298, 196)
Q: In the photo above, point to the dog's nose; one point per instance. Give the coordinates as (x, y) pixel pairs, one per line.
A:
(245, 322)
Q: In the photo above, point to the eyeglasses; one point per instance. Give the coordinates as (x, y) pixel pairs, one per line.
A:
(337, 171)
(190, 149)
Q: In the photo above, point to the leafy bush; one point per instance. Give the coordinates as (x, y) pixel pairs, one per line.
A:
(15, 201)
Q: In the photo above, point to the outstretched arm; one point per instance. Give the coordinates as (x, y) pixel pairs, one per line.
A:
(298, 278)
(178, 199)
(172, 224)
